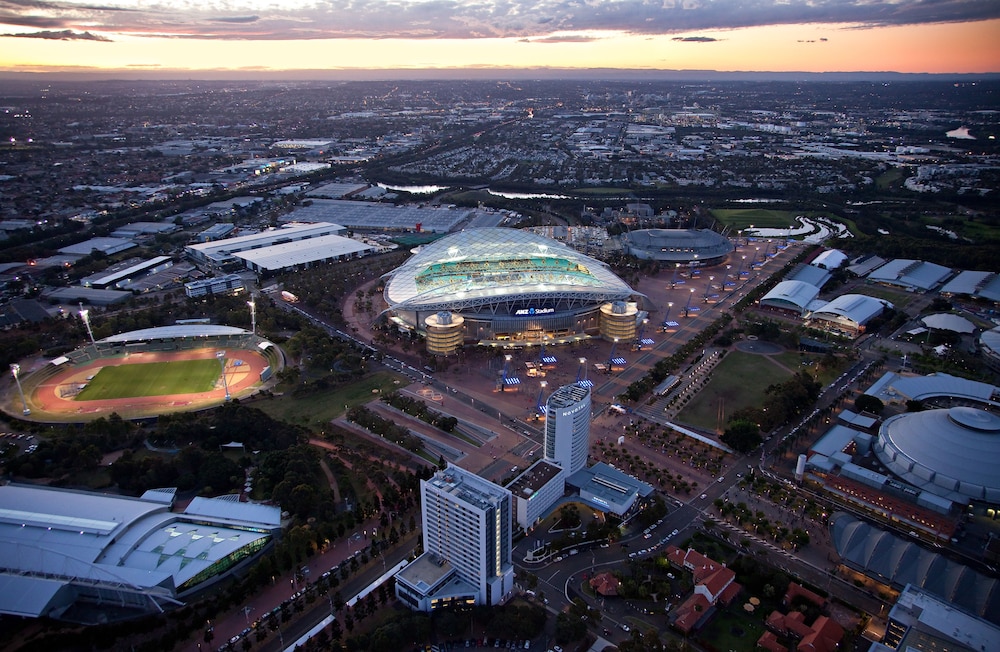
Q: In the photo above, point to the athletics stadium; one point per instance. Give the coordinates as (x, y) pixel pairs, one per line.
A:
(508, 287)
(144, 373)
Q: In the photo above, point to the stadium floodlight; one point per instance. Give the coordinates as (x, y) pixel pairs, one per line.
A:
(221, 355)
(15, 371)
(85, 316)
(253, 316)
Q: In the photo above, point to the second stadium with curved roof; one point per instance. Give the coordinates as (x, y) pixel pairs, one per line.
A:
(507, 285)
(686, 246)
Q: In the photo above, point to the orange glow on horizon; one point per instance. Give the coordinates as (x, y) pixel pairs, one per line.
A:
(936, 48)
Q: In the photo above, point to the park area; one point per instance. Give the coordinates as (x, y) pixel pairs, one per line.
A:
(152, 379)
(741, 380)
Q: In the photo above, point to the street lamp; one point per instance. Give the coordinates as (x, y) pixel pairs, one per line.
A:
(15, 370)
(687, 306)
(253, 316)
(708, 287)
(221, 355)
(85, 316)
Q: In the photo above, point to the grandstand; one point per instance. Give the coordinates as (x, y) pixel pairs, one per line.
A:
(246, 360)
(511, 287)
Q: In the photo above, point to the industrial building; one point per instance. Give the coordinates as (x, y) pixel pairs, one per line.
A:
(911, 275)
(373, 216)
(847, 315)
(921, 620)
(296, 246)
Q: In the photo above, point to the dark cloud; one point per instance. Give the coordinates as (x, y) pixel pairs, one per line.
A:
(695, 39)
(544, 21)
(236, 19)
(567, 38)
(27, 20)
(63, 35)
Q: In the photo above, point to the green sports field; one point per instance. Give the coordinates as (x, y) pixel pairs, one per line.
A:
(152, 379)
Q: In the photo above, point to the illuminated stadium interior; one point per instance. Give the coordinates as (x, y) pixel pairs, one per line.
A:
(509, 286)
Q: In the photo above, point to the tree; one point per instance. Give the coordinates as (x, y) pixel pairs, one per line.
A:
(869, 403)
(742, 435)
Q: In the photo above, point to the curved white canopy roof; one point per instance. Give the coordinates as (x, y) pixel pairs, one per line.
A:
(490, 265)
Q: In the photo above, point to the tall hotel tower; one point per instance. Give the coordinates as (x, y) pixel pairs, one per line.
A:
(467, 544)
(567, 427)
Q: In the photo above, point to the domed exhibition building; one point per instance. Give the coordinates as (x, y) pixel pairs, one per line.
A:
(508, 287)
(951, 452)
(686, 246)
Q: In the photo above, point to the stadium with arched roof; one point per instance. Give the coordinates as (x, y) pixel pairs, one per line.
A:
(510, 287)
(685, 246)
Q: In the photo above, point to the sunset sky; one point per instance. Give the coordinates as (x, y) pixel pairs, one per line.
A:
(256, 36)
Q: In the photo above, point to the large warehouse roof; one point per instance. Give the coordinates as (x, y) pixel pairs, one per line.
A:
(303, 252)
(892, 387)
(791, 294)
(220, 250)
(856, 308)
(953, 453)
(491, 265)
(900, 562)
(371, 216)
(914, 274)
(984, 285)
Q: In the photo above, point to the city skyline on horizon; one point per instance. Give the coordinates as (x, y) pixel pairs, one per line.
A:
(242, 39)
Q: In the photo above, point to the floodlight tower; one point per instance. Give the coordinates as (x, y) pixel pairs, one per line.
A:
(85, 316)
(581, 373)
(15, 371)
(221, 355)
(687, 306)
(253, 316)
(666, 317)
(539, 406)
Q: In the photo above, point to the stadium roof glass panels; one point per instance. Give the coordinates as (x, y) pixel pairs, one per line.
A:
(489, 265)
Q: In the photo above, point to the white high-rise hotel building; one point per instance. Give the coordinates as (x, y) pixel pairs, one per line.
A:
(467, 544)
(567, 427)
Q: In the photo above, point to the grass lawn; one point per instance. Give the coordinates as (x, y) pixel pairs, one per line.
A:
(741, 218)
(322, 407)
(732, 629)
(737, 382)
(152, 379)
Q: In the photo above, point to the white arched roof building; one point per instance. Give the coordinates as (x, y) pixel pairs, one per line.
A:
(795, 296)
(507, 284)
(847, 314)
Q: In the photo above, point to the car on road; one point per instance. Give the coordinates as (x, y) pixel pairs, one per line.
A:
(625, 627)
(703, 496)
